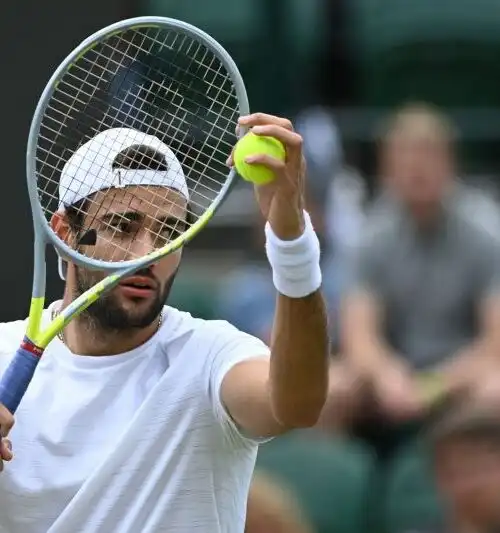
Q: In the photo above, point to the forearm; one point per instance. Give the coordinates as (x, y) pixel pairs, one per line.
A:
(362, 344)
(369, 355)
(471, 363)
(299, 359)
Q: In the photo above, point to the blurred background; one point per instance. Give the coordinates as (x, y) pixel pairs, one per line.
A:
(399, 107)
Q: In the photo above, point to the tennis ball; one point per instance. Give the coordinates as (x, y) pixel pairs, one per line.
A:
(251, 145)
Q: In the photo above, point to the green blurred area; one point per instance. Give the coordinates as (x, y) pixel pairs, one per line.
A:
(444, 52)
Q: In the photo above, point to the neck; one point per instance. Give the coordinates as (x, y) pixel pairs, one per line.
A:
(427, 216)
(84, 337)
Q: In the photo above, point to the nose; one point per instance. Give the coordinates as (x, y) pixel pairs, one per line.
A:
(142, 244)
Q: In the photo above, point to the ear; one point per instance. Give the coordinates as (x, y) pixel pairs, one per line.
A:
(60, 226)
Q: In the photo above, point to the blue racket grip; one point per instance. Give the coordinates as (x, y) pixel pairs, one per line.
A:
(18, 375)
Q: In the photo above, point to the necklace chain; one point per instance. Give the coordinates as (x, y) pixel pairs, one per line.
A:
(60, 335)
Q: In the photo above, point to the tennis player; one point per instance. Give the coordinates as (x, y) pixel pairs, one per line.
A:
(140, 417)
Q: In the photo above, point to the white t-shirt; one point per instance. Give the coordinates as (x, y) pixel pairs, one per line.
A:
(131, 443)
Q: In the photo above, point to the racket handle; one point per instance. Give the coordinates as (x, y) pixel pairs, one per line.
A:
(18, 375)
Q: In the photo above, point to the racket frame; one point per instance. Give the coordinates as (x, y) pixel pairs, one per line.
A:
(44, 234)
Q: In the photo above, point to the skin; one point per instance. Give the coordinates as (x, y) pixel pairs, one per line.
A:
(264, 397)
(118, 321)
(419, 169)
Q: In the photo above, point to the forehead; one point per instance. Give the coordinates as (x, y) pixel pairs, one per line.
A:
(417, 135)
(146, 200)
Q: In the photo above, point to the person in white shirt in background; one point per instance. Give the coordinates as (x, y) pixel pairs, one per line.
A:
(140, 417)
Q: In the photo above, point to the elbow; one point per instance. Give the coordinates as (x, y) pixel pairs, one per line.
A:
(303, 412)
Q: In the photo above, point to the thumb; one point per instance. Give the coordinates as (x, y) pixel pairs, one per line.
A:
(6, 450)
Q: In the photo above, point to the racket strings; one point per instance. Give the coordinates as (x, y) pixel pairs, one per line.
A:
(162, 83)
(219, 139)
(143, 101)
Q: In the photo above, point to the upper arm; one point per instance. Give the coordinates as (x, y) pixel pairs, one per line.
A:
(360, 310)
(238, 375)
(488, 288)
(246, 395)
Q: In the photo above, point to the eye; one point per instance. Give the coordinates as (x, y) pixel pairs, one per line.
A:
(120, 225)
(124, 227)
(171, 233)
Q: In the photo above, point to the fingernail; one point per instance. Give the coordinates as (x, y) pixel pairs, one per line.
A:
(251, 159)
(257, 129)
(243, 119)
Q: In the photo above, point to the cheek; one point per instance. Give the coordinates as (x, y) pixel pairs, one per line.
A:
(103, 251)
(168, 265)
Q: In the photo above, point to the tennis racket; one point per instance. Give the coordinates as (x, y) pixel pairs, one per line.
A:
(157, 76)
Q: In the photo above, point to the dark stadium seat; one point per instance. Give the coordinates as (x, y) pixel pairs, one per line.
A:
(445, 52)
(258, 35)
(236, 25)
(194, 296)
(410, 502)
(330, 477)
(442, 52)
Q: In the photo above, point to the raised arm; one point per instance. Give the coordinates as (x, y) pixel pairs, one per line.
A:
(266, 397)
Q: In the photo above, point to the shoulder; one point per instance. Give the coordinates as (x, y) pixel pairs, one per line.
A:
(11, 336)
(382, 222)
(208, 336)
(479, 218)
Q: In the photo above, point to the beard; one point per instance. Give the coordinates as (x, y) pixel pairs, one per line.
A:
(107, 314)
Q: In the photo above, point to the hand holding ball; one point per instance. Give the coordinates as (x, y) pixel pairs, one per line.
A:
(252, 145)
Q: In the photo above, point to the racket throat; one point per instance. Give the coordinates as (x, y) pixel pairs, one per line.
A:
(31, 347)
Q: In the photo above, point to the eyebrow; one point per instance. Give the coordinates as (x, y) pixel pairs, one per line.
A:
(134, 216)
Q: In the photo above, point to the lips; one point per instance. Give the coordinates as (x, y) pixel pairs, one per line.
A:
(138, 286)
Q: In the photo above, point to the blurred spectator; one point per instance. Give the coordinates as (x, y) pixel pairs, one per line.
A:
(339, 189)
(424, 285)
(466, 452)
(272, 508)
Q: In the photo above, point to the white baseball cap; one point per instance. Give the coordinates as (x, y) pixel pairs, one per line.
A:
(90, 169)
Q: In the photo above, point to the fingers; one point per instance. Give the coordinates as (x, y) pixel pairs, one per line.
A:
(266, 160)
(280, 129)
(6, 421)
(6, 454)
(261, 119)
(6, 450)
(289, 138)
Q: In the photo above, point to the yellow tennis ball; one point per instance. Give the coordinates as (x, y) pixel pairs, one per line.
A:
(251, 145)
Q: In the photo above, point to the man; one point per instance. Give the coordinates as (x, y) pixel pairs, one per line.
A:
(141, 417)
(424, 293)
(466, 457)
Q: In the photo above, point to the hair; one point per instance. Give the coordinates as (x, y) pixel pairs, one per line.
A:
(427, 117)
(276, 505)
(135, 157)
(465, 420)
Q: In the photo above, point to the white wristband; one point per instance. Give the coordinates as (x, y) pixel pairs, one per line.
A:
(295, 264)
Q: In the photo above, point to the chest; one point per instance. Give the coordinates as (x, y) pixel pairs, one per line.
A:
(69, 422)
(428, 277)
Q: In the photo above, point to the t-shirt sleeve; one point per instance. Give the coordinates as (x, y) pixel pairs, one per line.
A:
(488, 269)
(231, 347)
(361, 268)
